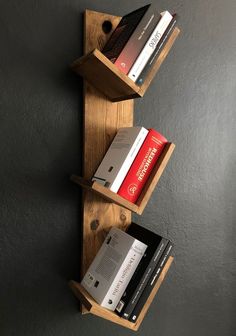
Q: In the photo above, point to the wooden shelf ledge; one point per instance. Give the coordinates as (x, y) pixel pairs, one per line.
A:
(144, 197)
(105, 76)
(99, 71)
(94, 308)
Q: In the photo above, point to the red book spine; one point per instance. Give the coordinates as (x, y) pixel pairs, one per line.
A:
(142, 166)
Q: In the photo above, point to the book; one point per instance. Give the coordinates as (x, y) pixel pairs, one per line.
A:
(150, 46)
(159, 48)
(156, 246)
(142, 166)
(119, 157)
(151, 283)
(137, 40)
(122, 33)
(113, 267)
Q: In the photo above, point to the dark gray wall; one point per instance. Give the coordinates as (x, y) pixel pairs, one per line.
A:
(192, 101)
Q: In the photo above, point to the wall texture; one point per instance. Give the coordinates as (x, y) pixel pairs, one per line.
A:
(192, 101)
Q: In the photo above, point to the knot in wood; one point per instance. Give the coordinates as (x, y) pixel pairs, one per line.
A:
(123, 217)
(94, 224)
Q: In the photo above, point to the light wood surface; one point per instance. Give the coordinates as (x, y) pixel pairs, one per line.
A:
(107, 78)
(114, 84)
(104, 192)
(102, 119)
(147, 190)
(94, 308)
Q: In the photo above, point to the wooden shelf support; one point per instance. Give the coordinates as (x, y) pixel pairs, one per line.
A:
(147, 190)
(94, 308)
(98, 70)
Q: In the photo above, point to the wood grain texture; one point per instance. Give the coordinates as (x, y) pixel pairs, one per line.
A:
(104, 192)
(102, 119)
(107, 78)
(93, 307)
(114, 84)
(146, 192)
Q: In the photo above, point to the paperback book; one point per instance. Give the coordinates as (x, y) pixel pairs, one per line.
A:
(150, 46)
(137, 40)
(151, 283)
(156, 246)
(119, 157)
(113, 267)
(122, 33)
(140, 80)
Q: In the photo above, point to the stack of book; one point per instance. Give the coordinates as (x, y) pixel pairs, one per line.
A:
(126, 269)
(138, 40)
(129, 161)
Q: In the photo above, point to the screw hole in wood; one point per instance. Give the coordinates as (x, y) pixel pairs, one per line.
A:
(107, 27)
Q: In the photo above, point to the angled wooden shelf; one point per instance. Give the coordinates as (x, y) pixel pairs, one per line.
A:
(144, 197)
(105, 76)
(99, 71)
(94, 308)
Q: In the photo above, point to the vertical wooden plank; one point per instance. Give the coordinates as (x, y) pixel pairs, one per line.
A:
(102, 118)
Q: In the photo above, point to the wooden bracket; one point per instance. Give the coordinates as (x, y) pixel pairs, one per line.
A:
(94, 308)
(108, 79)
(150, 185)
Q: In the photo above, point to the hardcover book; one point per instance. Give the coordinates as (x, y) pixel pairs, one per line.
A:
(156, 246)
(151, 283)
(150, 46)
(119, 157)
(122, 33)
(142, 166)
(113, 267)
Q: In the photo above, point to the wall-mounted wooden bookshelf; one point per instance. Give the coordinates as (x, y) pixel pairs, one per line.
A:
(108, 79)
(102, 208)
(143, 199)
(95, 309)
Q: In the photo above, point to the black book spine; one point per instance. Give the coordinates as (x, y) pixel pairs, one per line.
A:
(160, 46)
(151, 283)
(138, 290)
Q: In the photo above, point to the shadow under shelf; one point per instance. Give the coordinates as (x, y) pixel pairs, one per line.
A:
(145, 195)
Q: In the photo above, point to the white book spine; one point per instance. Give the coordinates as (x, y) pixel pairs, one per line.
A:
(119, 157)
(150, 46)
(128, 161)
(124, 275)
(112, 268)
